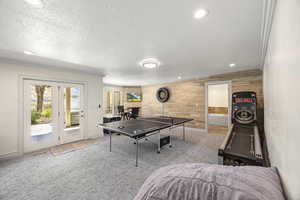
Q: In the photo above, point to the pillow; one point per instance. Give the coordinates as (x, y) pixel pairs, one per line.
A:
(211, 182)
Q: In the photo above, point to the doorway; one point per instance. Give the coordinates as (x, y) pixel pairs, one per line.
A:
(112, 102)
(117, 101)
(218, 107)
(53, 114)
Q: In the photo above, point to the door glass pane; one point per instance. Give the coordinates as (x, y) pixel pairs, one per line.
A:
(41, 113)
(72, 110)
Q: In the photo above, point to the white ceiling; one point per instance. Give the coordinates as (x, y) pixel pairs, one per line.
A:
(112, 36)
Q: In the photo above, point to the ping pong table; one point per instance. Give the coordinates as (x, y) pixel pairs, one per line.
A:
(142, 128)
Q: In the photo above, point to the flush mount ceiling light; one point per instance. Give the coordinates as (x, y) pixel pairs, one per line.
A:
(150, 63)
(201, 13)
(35, 3)
(232, 65)
(28, 52)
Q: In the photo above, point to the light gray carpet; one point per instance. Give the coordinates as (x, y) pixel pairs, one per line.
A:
(95, 173)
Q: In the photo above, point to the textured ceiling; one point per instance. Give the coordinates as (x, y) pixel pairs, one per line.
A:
(112, 36)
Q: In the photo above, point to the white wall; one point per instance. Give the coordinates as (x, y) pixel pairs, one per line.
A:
(282, 95)
(10, 74)
(218, 95)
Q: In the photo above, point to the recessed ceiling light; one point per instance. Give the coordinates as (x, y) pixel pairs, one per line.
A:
(36, 3)
(28, 52)
(150, 63)
(179, 77)
(200, 13)
(232, 65)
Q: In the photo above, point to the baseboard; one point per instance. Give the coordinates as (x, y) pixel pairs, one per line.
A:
(16, 154)
(10, 155)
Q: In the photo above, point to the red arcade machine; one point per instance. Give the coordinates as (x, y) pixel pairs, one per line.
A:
(242, 145)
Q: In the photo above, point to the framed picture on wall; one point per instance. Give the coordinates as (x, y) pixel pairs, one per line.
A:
(134, 97)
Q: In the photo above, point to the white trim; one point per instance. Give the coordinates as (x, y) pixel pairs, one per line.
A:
(20, 116)
(52, 64)
(21, 79)
(267, 19)
(229, 82)
(9, 155)
(50, 79)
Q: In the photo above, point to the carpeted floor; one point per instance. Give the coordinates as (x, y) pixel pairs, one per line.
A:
(95, 173)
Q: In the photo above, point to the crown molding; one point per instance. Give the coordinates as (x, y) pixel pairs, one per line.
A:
(267, 19)
(18, 58)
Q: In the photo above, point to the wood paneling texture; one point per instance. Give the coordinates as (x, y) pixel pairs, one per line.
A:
(218, 110)
(188, 97)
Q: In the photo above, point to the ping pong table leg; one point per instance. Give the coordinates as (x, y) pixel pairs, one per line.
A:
(170, 134)
(137, 152)
(109, 141)
(158, 148)
(183, 126)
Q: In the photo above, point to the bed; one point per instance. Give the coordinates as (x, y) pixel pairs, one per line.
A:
(199, 181)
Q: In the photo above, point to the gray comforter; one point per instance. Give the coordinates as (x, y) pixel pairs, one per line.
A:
(211, 182)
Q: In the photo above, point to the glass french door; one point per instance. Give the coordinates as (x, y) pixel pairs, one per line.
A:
(53, 114)
(40, 115)
(72, 112)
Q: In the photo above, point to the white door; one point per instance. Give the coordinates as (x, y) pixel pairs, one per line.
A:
(53, 114)
(72, 112)
(40, 115)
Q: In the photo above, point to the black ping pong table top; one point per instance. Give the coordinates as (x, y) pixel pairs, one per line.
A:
(140, 127)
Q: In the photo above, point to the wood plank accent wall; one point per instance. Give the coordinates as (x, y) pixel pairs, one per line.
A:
(188, 96)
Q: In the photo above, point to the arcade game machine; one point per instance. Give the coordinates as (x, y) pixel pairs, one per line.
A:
(242, 145)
